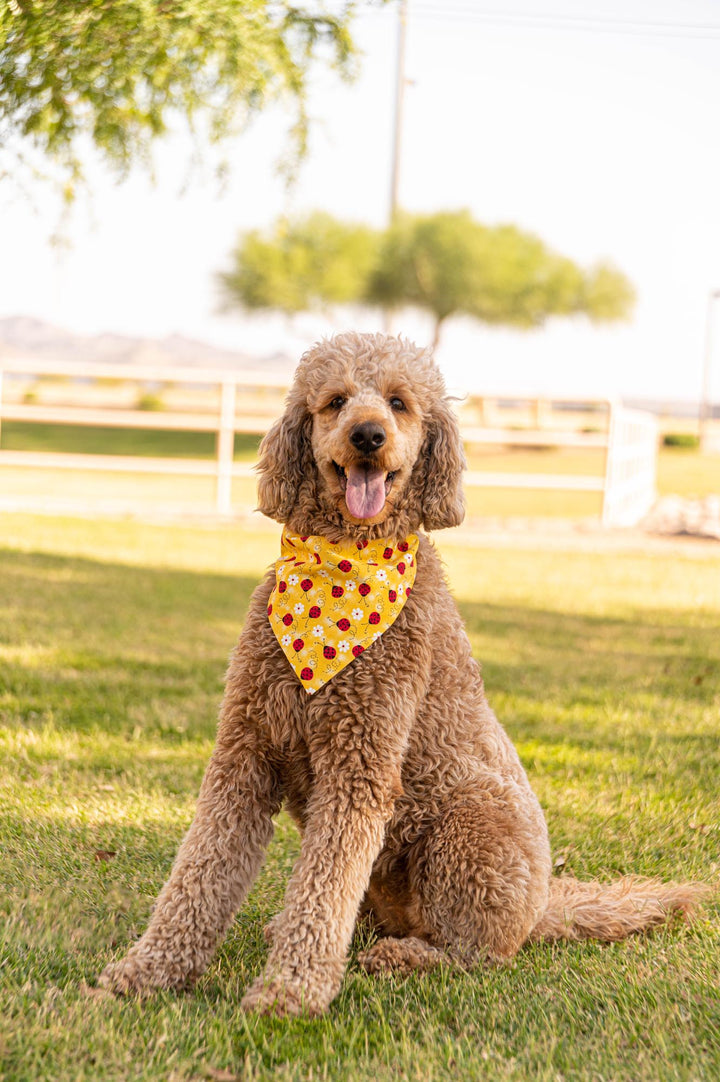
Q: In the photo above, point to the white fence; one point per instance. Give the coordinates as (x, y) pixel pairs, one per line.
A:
(627, 487)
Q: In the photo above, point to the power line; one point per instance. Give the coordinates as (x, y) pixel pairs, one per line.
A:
(583, 24)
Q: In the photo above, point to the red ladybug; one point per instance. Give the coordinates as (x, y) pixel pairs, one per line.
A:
(363, 589)
(409, 590)
(387, 554)
(337, 591)
(374, 618)
(401, 568)
(314, 612)
(329, 652)
(269, 609)
(343, 624)
(345, 565)
(282, 587)
(306, 674)
(403, 546)
(361, 544)
(287, 619)
(306, 585)
(392, 595)
(305, 538)
(298, 645)
(358, 650)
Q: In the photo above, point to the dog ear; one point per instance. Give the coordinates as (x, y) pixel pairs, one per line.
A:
(285, 461)
(443, 503)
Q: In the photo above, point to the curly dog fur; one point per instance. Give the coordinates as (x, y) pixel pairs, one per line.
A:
(413, 805)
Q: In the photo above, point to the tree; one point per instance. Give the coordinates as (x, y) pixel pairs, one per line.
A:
(446, 264)
(122, 71)
(301, 265)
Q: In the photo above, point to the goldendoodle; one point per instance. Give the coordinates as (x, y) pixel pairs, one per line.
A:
(353, 698)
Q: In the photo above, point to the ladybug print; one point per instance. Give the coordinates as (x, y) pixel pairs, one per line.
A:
(367, 582)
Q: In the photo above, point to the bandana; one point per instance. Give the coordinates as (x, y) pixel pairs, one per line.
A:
(330, 602)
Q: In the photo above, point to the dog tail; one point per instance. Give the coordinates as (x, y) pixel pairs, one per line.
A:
(612, 911)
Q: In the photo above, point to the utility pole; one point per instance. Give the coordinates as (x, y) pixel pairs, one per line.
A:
(397, 130)
(399, 105)
(705, 417)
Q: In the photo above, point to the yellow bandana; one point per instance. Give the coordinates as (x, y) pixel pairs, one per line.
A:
(330, 602)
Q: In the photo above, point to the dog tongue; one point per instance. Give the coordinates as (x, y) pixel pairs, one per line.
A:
(365, 492)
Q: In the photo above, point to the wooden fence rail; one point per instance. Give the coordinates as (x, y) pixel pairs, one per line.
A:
(629, 437)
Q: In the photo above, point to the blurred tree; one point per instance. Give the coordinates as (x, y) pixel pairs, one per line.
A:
(448, 264)
(121, 71)
(445, 263)
(298, 266)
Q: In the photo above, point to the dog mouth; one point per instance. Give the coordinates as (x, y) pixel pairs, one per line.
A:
(365, 487)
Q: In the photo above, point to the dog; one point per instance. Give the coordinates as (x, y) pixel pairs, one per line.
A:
(353, 699)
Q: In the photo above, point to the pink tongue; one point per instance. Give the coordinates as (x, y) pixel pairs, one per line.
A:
(365, 492)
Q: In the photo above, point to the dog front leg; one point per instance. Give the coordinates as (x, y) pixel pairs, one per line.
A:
(214, 868)
(342, 838)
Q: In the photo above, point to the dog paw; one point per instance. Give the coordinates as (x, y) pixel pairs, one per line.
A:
(139, 976)
(285, 998)
(401, 956)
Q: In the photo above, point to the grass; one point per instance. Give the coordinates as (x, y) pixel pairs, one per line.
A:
(107, 440)
(113, 642)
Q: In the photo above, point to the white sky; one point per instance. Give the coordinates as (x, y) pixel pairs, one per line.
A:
(601, 136)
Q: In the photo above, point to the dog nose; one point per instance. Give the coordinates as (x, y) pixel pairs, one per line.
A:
(368, 437)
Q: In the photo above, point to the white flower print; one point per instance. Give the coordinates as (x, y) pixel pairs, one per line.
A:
(286, 640)
(357, 614)
(376, 635)
(343, 646)
(400, 589)
(382, 574)
(349, 587)
(298, 609)
(318, 632)
(293, 580)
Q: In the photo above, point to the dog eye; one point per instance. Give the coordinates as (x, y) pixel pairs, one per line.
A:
(337, 403)
(397, 404)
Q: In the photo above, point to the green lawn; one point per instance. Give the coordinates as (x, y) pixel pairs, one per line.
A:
(113, 641)
(107, 440)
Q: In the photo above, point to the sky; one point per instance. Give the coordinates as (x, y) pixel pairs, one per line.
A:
(593, 124)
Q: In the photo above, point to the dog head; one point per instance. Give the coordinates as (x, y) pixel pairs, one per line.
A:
(368, 445)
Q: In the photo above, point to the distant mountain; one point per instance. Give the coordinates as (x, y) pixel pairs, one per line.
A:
(27, 337)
